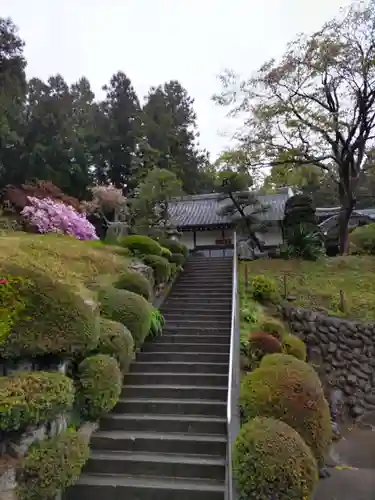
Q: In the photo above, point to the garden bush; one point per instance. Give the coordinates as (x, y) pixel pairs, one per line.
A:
(98, 386)
(166, 253)
(116, 341)
(271, 460)
(289, 360)
(258, 345)
(135, 282)
(52, 318)
(362, 239)
(263, 288)
(127, 308)
(160, 266)
(32, 398)
(143, 245)
(52, 465)
(271, 325)
(174, 246)
(178, 258)
(294, 346)
(287, 393)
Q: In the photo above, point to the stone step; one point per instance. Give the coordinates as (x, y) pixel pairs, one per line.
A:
(177, 322)
(180, 367)
(182, 424)
(193, 330)
(157, 442)
(165, 406)
(119, 487)
(195, 379)
(183, 347)
(197, 305)
(200, 294)
(201, 357)
(175, 391)
(156, 464)
(188, 312)
(216, 279)
(179, 338)
(208, 288)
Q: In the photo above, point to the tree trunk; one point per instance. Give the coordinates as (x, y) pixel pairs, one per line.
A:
(347, 206)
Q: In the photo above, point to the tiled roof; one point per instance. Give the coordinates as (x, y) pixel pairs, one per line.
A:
(204, 209)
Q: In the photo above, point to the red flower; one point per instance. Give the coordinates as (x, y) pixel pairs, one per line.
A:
(4, 282)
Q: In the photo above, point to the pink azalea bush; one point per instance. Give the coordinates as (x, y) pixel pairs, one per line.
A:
(49, 216)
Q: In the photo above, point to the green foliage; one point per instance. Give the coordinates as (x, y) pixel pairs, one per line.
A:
(134, 282)
(98, 386)
(285, 392)
(260, 344)
(263, 288)
(271, 325)
(178, 258)
(157, 322)
(174, 246)
(160, 266)
(294, 346)
(166, 253)
(289, 360)
(52, 465)
(303, 243)
(362, 239)
(54, 319)
(13, 293)
(116, 341)
(271, 460)
(127, 308)
(143, 245)
(33, 398)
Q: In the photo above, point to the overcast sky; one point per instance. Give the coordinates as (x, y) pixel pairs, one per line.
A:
(153, 41)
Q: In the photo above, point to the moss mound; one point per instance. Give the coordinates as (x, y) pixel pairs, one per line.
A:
(166, 253)
(178, 258)
(174, 246)
(116, 341)
(289, 359)
(32, 398)
(272, 326)
(98, 386)
(52, 465)
(294, 346)
(160, 266)
(135, 282)
(51, 319)
(288, 393)
(128, 308)
(143, 245)
(271, 460)
(264, 342)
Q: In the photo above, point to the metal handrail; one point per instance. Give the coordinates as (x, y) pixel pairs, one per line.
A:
(233, 419)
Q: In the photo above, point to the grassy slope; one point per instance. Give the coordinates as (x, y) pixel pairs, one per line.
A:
(317, 285)
(65, 258)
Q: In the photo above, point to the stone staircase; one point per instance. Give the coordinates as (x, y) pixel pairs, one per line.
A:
(166, 439)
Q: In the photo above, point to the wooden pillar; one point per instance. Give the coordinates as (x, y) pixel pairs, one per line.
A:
(195, 239)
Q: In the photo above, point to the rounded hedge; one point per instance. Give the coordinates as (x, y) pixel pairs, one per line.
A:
(51, 318)
(178, 258)
(160, 266)
(294, 346)
(129, 309)
(141, 244)
(263, 288)
(174, 246)
(271, 460)
(271, 325)
(99, 385)
(166, 253)
(287, 393)
(116, 341)
(31, 398)
(52, 465)
(289, 359)
(134, 282)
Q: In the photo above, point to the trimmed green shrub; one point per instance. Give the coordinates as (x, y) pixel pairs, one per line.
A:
(294, 346)
(258, 345)
(174, 246)
(52, 465)
(166, 253)
(362, 239)
(272, 326)
(116, 341)
(127, 308)
(98, 386)
(173, 268)
(263, 288)
(160, 266)
(292, 395)
(50, 317)
(271, 460)
(32, 398)
(288, 359)
(134, 282)
(178, 259)
(140, 244)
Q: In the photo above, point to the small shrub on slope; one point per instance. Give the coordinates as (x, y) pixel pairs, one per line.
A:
(134, 282)
(142, 245)
(263, 288)
(116, 341)
(160, 266)
(294, 346)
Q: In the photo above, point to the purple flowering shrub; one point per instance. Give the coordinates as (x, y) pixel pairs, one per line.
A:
(49, 216)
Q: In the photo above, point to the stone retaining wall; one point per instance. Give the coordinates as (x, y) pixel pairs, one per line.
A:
(343, 350)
